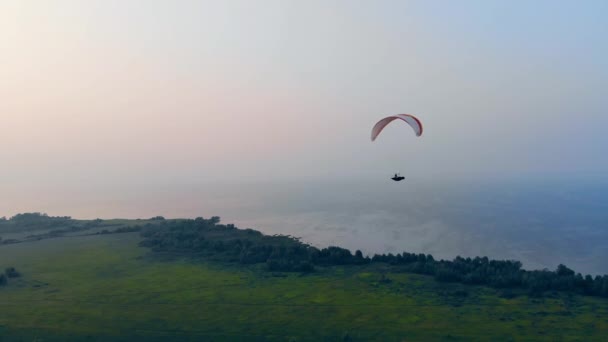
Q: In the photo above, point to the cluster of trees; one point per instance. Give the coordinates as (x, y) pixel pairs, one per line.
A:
(127, 229)
(208, 238)
(499, 274)
(9, 272)
(33, 221)
(36, 217)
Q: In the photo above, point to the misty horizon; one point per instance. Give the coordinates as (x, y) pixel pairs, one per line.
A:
(541, 224)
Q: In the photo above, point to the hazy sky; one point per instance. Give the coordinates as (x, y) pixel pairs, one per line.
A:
(113, 92)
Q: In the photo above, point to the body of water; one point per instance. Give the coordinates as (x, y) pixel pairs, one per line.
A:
(539, 223)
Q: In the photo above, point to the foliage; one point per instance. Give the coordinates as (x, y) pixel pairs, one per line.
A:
(208, 238)
(11, 272)
(33, 221)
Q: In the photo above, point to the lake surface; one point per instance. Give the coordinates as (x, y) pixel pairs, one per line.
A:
(539, 223)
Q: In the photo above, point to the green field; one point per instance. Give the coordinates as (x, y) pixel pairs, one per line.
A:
(104, 287)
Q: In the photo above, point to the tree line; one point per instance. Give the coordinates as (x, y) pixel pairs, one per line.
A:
(33, 221)
(208, 238)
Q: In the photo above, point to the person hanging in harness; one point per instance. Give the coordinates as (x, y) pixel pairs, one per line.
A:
(398, 178)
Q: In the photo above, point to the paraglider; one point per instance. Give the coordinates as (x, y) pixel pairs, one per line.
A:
(411, 120)
(398, 177)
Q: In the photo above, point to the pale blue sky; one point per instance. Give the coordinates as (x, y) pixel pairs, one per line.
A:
(111, 92)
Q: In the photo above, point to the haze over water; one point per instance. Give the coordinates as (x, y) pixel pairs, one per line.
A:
(539, 223)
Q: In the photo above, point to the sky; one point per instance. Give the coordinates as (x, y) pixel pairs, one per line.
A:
(150, 92)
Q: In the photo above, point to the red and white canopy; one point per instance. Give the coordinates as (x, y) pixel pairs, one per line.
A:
(410, 119)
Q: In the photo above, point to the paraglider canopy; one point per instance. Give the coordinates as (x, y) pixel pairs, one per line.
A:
(408, 118)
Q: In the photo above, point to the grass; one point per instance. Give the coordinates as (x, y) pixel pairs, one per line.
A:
(104, 287)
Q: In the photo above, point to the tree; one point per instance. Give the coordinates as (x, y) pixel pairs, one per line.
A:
(11, 272)
(562, 270)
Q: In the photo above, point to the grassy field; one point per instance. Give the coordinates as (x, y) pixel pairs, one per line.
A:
(104, 287)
